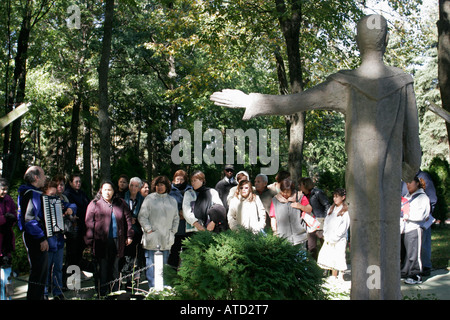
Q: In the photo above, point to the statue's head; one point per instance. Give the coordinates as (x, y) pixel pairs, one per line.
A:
(372, 33)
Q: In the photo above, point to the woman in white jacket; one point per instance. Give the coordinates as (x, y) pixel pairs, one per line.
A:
(246, 209)
(159, 220)
(412, 220)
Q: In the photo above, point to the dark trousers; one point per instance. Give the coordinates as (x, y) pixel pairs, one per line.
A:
(177, 247)
(313, 246)
(107, 269)
(411, 251)
(38, 268)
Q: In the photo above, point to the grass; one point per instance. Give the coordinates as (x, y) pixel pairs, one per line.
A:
(440, 246)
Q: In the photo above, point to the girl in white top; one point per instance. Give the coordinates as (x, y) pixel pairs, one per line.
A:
(246, 209)
(336, 224)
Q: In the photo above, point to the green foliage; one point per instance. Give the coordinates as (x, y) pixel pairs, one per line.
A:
(324, 146)
(439, 171)
(243, 265)
(128, 164)
(20, 262)
(440, 246)
(329, 182)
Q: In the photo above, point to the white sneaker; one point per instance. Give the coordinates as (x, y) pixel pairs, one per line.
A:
(413, 280)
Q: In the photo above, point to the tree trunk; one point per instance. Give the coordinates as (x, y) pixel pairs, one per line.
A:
(103, 113)
(290, 28)
(444, 56)
(7, 67)
(17, 92)
(87, 157)
(72, 144)
(281, 73)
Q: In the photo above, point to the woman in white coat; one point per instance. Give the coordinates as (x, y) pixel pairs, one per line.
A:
(246, 209)
(159, 220)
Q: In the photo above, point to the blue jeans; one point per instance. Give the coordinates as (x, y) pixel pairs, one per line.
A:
(55, 263)
(150, 263)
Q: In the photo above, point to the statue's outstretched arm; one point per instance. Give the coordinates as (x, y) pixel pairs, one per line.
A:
(329, 95)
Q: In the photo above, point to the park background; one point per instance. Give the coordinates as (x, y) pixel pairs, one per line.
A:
(109, 81)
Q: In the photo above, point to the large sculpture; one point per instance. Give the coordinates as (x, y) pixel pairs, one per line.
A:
(382, 144)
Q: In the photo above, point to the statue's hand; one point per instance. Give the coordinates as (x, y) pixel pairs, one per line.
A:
(232, 98)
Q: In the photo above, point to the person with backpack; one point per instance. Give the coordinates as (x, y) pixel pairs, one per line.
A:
(31, 219)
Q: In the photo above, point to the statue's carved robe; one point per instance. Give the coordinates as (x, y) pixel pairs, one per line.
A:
(382, 144)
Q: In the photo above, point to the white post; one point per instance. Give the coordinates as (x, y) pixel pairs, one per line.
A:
(159, 281)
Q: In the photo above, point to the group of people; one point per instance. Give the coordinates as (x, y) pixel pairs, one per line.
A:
(128, 222)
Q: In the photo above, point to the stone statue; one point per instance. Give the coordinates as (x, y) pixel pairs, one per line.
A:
(382, 145)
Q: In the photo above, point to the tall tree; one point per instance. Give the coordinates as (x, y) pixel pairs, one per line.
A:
(103, 112)
(444, 56)
(290, 20)
(31, 15)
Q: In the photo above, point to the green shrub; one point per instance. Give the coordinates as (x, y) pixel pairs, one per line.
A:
(20, 262)
(329, 182)
(242, 265)
(439, 171)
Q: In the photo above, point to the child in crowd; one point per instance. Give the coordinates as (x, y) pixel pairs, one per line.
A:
(56, 248)
(336, 224)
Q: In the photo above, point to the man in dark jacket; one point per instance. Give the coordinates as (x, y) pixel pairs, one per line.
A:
(223, 186)
(320, 204)
(35, 240)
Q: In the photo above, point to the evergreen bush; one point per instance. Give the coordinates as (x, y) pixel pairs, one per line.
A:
(439, 171)
(246, 266)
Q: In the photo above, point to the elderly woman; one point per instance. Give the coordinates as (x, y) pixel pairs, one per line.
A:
(108, 231)
(134, 199)
(134, 256)
(246, 209)
(159, 220)
(197, 202)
